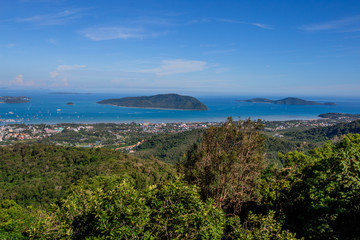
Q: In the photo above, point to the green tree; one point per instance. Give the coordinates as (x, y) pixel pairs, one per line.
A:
(258, 226)
(107, 209)
(227, 163)
(14, 220)
(179, 213)
(319, 192)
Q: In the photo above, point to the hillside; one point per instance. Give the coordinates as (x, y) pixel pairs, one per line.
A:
(162, 101)
(325, 133)
(338, 116)
(289, 101)
(169, 147)
(40, 174)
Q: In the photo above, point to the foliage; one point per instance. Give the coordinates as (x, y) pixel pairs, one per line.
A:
(274, 146)
(227, 163)
(40, 174)
(326, 133)
(169, 147)
(319, 193)
(171, 210)
(258, 226)
(14, 220)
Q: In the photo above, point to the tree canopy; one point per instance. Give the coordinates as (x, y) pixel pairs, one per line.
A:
(227, 163)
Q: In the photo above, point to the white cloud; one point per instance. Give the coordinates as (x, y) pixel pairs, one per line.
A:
(59, 18)
(345, 24)
(63, 68)
(261, 25)
(108, 33)
(224, 20)
(170, 67)
(19, 81)
(60, 75)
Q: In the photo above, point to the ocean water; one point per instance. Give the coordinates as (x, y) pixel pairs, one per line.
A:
(51, 108)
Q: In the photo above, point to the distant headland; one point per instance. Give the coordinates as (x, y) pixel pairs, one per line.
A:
(289, 100)
(160, 101)
(10, 99)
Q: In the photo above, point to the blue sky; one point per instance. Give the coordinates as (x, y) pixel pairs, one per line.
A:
(190, 46)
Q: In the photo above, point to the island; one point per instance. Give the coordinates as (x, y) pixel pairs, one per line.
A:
(70, 103)
(160, 101)
(289, 101)
(10, 99)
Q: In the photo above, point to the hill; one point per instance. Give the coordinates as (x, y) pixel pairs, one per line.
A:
(162, 101)
(289, 100)
(41, 174)
(325, 133)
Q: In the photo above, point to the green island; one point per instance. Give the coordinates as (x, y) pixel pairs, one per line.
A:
(289, 100)
(161, 101)
(10, 99)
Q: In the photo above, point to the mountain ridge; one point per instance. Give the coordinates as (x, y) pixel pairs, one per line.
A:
(288, 101)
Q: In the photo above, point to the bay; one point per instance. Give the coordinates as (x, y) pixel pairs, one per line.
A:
(52, 108)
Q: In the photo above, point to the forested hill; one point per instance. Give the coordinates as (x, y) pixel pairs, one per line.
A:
(40, 174)
(164, 101)
(325, 133)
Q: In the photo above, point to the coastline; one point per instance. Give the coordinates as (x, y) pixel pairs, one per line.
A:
(275, 118)
(43, 110)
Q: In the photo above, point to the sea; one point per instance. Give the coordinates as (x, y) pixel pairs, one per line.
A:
(51, 108)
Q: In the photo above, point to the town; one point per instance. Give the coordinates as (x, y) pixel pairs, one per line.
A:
(123, 135)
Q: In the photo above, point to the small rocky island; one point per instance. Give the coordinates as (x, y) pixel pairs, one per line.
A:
(289, 100)
(10, 99)
(160, 101)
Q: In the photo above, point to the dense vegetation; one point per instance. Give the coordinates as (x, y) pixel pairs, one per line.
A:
(225, 189)
(173, 147)
(169, 147)
(167, 101)
(227, 164)
(318, 193)
(322, 134)
(275, 146)
(40, 174)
